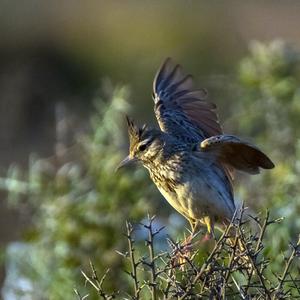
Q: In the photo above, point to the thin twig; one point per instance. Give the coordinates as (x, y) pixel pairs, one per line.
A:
(134, 265)
(150, 243)
(263, 228)
(288, 265)
(254, 265)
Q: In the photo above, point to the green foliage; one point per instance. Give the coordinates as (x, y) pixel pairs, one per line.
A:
(270, 101)
(269, 111)
(79, 205)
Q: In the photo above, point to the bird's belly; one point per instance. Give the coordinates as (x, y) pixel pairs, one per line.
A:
(202, 198)
(174, 201)
(195, 199)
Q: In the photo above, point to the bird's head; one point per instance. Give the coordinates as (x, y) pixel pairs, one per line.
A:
(144, 144)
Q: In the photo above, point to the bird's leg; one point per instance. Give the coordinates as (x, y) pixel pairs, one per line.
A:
(195, 224)
(210, 227)
(186, 245)
(184, 250)
(187, 241)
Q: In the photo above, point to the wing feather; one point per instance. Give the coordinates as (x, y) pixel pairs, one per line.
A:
(232, 151)
(182, 110)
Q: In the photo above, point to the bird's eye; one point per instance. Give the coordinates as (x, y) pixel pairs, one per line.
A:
(142, 147)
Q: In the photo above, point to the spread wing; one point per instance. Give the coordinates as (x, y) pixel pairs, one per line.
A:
(236, 153)
(181, 110)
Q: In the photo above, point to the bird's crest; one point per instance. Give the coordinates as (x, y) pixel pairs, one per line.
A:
(135, 133)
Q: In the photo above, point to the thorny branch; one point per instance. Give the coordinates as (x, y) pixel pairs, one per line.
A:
(134, 264)
(236, 267)
(282, 278)
(151, 264)
(96, 283)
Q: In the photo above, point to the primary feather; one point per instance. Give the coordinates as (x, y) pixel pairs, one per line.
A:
(182, 110)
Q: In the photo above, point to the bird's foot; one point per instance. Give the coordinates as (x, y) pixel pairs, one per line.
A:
(207, 237)
(185, 251)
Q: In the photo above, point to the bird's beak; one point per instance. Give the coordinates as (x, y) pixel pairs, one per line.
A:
(125, 162)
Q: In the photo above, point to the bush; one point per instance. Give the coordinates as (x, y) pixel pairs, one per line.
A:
(236, 267)
(269, 110)
(78, 206)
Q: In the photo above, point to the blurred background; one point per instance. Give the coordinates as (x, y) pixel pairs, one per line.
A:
(69, 71)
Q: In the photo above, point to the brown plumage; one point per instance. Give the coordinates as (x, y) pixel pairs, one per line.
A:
(243, 156)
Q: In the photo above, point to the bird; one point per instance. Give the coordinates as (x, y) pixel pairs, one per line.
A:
(189, 158)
